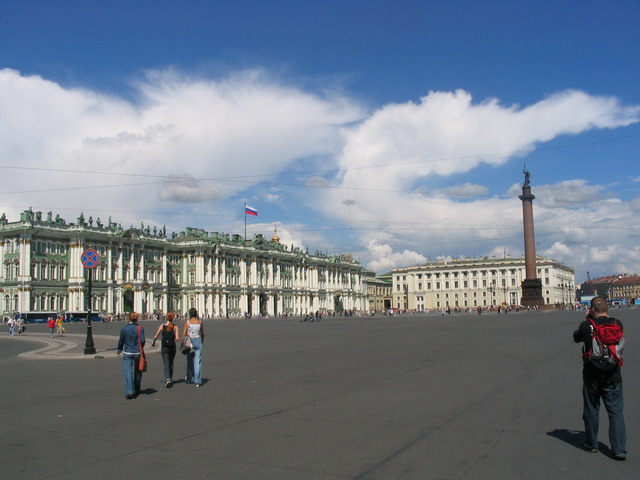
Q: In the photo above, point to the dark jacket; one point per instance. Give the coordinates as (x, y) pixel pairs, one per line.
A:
(583, 334)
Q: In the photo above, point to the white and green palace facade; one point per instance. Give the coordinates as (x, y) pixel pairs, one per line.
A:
(147, 271)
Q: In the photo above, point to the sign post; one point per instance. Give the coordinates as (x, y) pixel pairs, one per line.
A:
(89, 260)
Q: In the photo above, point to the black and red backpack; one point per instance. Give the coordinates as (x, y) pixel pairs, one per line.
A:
(606, 346)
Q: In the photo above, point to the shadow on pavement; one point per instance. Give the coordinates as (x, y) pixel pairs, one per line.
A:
(572, 437)
(577, 438)
(148, 391)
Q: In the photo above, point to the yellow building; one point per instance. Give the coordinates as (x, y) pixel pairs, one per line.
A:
(469, 283)
(626, 287)
(379, 292)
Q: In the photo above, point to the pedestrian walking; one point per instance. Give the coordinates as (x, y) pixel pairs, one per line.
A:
(20, 325)
(169, 338)
(194, 329)
(51, 324)
(130, 343)
(59, 326)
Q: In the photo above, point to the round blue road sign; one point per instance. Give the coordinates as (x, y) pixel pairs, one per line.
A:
(90, 258)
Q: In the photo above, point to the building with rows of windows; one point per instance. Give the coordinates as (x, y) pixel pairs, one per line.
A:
(625, 287)
(470, 283)
(144, 270)
(379, 292)
(613, 287)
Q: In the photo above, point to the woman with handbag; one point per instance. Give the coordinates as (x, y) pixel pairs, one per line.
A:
(194, 329)
(131, 342)
(170, 335)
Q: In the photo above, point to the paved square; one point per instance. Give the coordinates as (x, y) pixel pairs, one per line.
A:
(410, 397)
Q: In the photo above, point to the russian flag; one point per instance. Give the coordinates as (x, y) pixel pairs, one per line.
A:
(250, 211)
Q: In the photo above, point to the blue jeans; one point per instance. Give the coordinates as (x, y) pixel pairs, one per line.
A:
(194, 362)
(168, 354)
(593, 390)
(132, 376)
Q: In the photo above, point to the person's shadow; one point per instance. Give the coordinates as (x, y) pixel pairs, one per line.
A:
(577, 439)
(148, 391)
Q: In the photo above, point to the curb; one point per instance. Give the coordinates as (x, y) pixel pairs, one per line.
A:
(60, 348)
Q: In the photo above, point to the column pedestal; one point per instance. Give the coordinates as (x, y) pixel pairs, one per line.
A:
(532, 292)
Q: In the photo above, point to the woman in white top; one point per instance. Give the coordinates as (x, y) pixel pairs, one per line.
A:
(194, 329)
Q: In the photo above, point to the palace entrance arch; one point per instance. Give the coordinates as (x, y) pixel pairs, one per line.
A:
(127, 299)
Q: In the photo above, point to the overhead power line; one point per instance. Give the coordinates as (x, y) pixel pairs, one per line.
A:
(242, 179)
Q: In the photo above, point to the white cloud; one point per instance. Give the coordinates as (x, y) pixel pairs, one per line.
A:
(386, 259)
(185, 189)
(569, 193)
(558, 250)
(446, 133)
(272, 197)
(604, 254)
(290, 235)
(227, 131)
(405, 148)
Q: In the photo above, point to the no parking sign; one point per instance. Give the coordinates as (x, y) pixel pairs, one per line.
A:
(90, 258)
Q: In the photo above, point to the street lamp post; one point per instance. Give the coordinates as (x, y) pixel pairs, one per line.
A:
(492, 289)
(562, 291)
(565, 288)
(571, 294)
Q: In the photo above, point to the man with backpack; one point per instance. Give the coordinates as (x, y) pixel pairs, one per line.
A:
(602, 379)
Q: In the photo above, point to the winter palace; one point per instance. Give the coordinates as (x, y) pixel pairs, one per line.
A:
(145, 270)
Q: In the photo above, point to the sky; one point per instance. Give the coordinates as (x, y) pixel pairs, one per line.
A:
(395, 131)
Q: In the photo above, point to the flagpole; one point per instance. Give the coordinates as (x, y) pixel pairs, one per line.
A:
(245, 222)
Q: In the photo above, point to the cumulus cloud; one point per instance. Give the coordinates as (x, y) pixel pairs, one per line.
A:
(393, 159)
(446, 133)
(291, 235)
(220, 130)
(186, 189)
(83, 149)
(386, 259)
(569, 193)
(604, 254)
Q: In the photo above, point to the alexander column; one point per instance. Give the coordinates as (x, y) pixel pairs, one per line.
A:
(531, 285)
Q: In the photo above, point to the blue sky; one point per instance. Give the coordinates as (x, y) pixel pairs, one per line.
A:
(395, 131)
